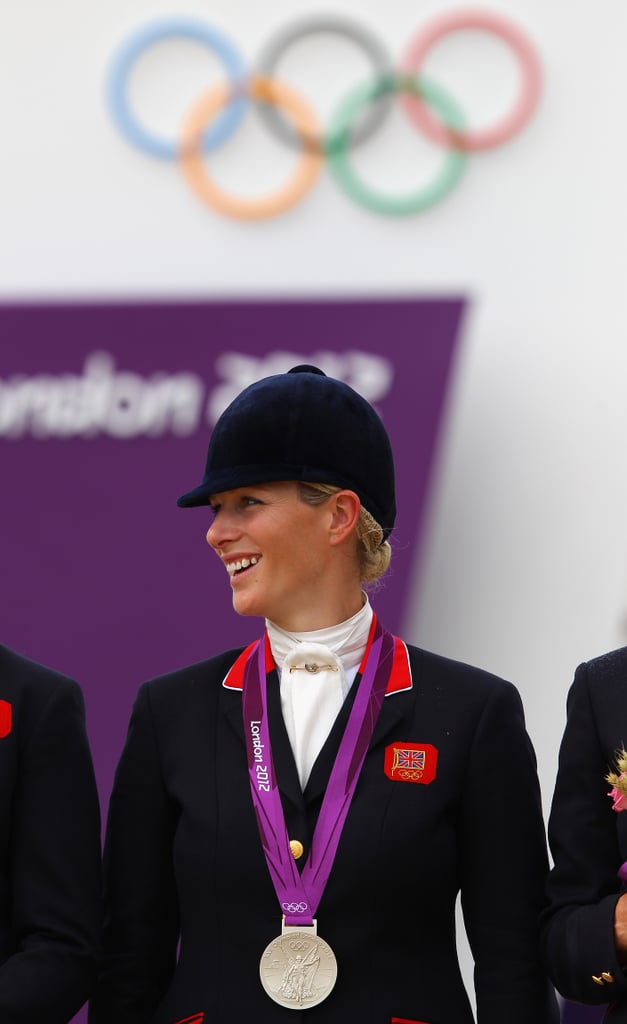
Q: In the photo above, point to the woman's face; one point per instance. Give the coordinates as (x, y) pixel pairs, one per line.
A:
(276, 550)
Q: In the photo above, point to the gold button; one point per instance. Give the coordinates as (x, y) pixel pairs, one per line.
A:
(607, 976)
(598, 981)
(297, 848)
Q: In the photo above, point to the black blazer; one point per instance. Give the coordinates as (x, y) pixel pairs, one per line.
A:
(588, 841)
(49, 847)
(183, 856)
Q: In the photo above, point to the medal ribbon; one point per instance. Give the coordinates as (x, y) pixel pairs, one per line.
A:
(299, 894)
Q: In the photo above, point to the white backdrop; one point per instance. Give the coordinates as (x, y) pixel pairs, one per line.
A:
(526, 568)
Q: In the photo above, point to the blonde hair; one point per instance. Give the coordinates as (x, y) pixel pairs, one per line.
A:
(374, 552)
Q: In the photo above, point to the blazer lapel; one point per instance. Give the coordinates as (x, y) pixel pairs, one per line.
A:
(396, 708)
(233, 713)
(282, 754)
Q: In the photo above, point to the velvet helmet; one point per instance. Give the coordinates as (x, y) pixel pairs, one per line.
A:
(301, 425)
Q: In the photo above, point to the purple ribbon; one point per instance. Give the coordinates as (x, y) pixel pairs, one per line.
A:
(299, 895)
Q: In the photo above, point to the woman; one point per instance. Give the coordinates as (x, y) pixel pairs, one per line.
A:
(301, 815)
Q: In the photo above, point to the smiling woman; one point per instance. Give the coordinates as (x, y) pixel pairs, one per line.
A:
(271, 788)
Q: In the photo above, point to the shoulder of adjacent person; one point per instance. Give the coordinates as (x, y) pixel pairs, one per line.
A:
(37, 701)
(605, 670)
(601, 685)
(25, 679)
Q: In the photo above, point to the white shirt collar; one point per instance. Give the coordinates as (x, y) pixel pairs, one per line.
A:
(348, 639)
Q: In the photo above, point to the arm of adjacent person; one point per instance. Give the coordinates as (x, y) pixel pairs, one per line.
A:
(504, 867)
(578, 927)
(55, 867)
(141, 912)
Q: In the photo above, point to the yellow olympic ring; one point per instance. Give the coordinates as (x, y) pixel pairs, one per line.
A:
(193, 165)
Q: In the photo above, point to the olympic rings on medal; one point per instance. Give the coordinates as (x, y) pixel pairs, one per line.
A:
(193, 167)
(217, 114)
(529, 65)
(294, 908)
(312, 25)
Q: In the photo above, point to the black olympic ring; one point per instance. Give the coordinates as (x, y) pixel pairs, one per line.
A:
(218, 113)
(313, 25)
(294, 908)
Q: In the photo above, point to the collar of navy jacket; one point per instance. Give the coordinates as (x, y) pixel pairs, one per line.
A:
(400, 675)
(400, 682)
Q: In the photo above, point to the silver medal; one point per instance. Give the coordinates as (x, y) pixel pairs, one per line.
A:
(298, 969)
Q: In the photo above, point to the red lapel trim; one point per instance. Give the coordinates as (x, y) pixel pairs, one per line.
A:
(6, 718)
(234, 679)
(400, 676)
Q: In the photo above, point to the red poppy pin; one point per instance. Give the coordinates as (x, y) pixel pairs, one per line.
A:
(411, 762)
(6, 718)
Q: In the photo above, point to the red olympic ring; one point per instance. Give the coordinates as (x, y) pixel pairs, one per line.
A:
(487, 138)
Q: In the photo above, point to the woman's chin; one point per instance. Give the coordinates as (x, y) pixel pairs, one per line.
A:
(246, 607)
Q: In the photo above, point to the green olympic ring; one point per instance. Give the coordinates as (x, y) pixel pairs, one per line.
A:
(414, 202)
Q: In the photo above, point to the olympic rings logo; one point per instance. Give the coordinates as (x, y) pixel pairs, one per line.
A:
(216, 115)
(294, 908)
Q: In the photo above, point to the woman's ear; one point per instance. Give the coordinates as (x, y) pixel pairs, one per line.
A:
(345, 507)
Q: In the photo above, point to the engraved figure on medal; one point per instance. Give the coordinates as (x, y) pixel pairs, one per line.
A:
(298, 970)
(298, 979)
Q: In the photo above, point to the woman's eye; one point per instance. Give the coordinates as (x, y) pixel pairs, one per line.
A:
(250, 501)
(213, 510)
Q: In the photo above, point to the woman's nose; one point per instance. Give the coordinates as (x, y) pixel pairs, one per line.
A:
(221, 530)
(212, 540)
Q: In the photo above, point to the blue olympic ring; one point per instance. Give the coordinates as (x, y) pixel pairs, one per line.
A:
(182, 28)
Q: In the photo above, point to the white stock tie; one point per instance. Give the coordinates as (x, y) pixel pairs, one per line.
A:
(312, 692)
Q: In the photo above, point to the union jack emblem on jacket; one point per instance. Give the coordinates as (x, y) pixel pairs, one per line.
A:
(411, 762)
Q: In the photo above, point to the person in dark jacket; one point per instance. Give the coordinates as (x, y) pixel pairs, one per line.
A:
(584, 933)
(50, 890)
(291, 823)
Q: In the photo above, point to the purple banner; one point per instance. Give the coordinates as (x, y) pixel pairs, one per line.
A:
(105, 414)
